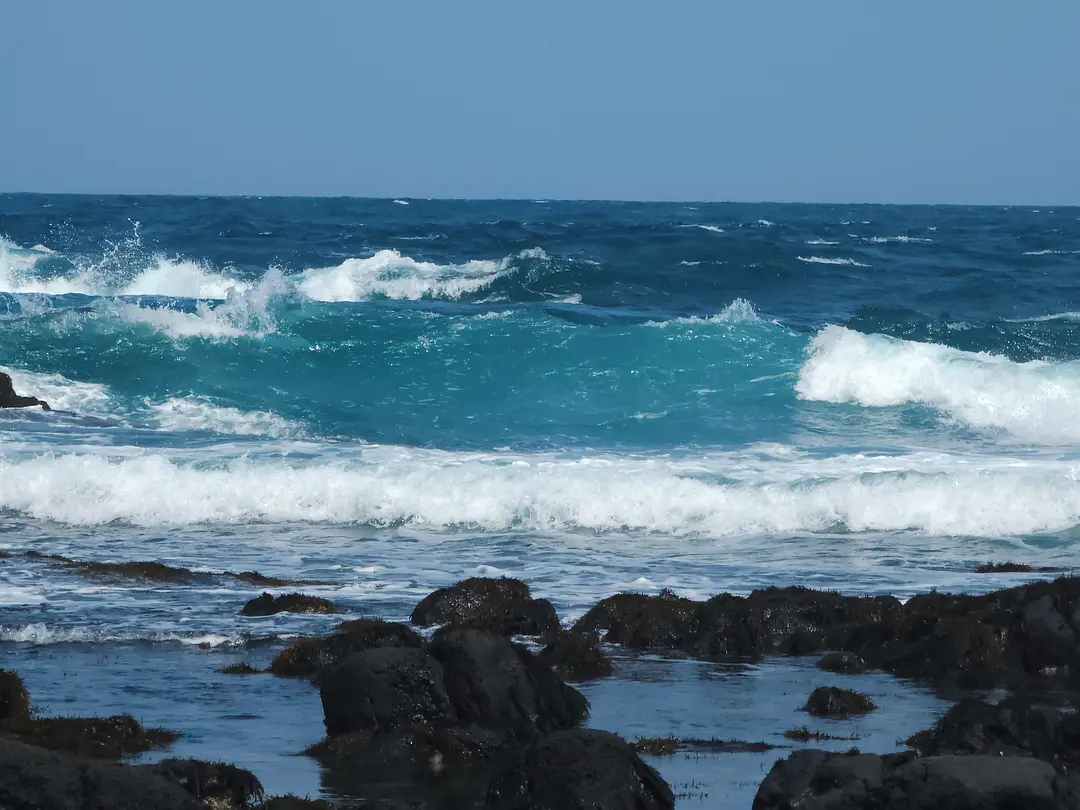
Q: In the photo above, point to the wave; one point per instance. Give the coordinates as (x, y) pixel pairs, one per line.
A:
(1035, 401)
(60, 392)
(1051, 252)
(830, 260)
(457, 492)
(738, 311)
(880, 240)
(821, 242)
(389, 274)
(199, 414)
(38, 633)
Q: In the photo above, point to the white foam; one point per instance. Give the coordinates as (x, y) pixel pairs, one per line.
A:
(830, 260)
(17, 266)
(685, 263)
(390, 274)
(537, 493)
(196, 413)
(183, 279)
(712, 228)
(401, 202)
(764, 223)
(1051, 252)
(38, 633)
(821, 242)
(1035, 401)
(901, 239)
(738, 311)
(60, 392)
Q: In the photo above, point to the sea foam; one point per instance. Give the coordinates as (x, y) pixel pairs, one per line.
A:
(1035, 401)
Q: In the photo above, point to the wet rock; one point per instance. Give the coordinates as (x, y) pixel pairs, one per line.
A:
(728, 630)
(496, 684)
(294, 803)
(1003, 568)
(384, 689)
(579, 769)
(1015, 727)
(577, 656)
(828, 701)
(501, 605)
(14, 700)
(214, 783)
(268, 605)
(815, 780)
(242, 668)
(306, 657)
(846, 663)
(98, 737)
(32, 778)
(642, 621)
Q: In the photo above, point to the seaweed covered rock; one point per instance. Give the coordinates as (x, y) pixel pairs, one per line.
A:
(14, 700)
(268, 605)
(32, 778)
(496, 684)
(306, 657)
(1017, 726)
(383, 689)
(580, 769)
(577, 656)
(213, 783)
(501, 605)
(816, 780)
(846, 663)
(642, 621)
(97, 737)
(828, 701)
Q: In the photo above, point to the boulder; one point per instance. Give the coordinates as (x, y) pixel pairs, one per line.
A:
(98, 737)
(579, 769)
(496, 684)
(383, 689)
(503, 606)
(213, 783)
(642, 621)
(576, 656)
(816, 780)
(268, 605)
(32, 778)
(828, 701)
(306, 657)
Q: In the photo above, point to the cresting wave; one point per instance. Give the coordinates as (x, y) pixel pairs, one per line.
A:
(515, 493)
(386, 274)
(1035, 401)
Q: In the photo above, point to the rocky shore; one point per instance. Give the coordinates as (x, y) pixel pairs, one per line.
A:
(471, 703)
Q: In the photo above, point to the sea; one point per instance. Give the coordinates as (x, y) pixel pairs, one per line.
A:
(387, 396)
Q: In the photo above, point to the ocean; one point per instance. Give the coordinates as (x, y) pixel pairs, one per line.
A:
(391, 395)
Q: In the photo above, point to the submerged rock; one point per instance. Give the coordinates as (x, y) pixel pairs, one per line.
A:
(501, 605)
(828, 701)
(816, 780)
(577, 656)
(580, 769)
(268, 605)
(213, 783)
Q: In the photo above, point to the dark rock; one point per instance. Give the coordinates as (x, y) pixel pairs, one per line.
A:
(496, 684)
(294, 803)
(214, 781)
(1003, 568)
(501, 605)
(728, 630)
(98, 737)
(579, 769)
(14, 700)
(645, 622)
(1015, 727)
(815, 780)
(843, 662)
(306, 657)
(268, 605)
(242, 668)
(32, 778)
(577, 656)
(261, 581)
(383, 689)
(828, 701)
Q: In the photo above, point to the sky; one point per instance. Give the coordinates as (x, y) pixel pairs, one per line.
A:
(965, 101)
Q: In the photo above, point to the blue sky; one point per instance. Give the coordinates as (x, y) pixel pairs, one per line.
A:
(966, 101)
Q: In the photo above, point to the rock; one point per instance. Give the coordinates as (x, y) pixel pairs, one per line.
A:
(828, 701)
(214, 783)
(98, 737)
(1014, 727)
(14, 700)
(294, 803)
(843, 662)
(496, 684)
(1003, 568)
(383, 689)
(576, 656)
(815, 780)
(728, 630)
(268, 605)
(503, 606)
(579, 769)
(641, 621)
(32, 778)
(306, 657)
(242, 668)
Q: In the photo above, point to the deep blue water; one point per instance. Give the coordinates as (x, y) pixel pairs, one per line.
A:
(391, 395)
